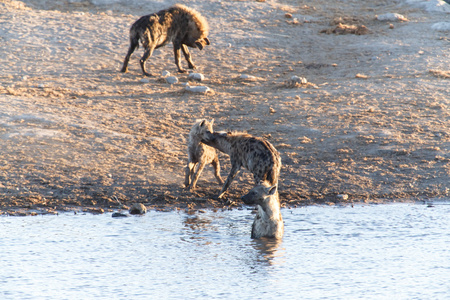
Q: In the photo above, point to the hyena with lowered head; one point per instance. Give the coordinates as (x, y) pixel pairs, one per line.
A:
(253, 153)
(181, 25)
(268, 220)
(200, 154)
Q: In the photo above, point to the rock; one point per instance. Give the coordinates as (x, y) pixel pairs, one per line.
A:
(391, 17)
(441, 26)
(41, 86)
(138, 209)
(245, 76)
(342, 197)
(198, 89)
(196, 76)
(171, 79)
(144, 80)
(165, 73)
(119, 215)
(297, 79)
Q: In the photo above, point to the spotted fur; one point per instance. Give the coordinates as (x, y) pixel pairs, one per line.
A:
(181, 25)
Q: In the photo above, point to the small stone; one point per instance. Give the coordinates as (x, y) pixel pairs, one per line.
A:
(342, 197)
(144, 80)
(271, 110)
(198, 89)
(196, 76)
(391, 26)
(391, 17)
(298, 79)
(245, 76)
(165, 73)
(41, 86)
(119, 215)
(171, 79)
(138, 209)
(288, 15)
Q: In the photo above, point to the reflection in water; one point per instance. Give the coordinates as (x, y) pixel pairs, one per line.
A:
(269, 250)
(367, 252)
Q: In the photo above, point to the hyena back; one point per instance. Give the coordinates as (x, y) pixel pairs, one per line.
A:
(253, 153)
(268, 221)
(181, 25)
(200, 154)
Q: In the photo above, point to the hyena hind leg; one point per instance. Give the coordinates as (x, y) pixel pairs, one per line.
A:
(216, 165)
(131, 49)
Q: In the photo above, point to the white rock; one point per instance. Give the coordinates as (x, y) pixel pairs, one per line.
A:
(198, 89)
(342, 197)
(145, 80)
(297, 79)
(245, 76)
(441, 26)
(41, 86)
(165, 73)
(171, 79)
(431, 5)
(391, 17)
(196, 76)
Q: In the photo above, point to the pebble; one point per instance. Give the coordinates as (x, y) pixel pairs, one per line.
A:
(342, 197)
(245, 76)
(145, 80)
(391, 17)
(171, 79)
(298, 79)
(441, 26)
(41, 86)
(198, 89)
(165, 73)
(118, 215)
(196, 76)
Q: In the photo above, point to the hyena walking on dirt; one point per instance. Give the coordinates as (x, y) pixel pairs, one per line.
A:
(181, 25)
(268, 220)
(200, 154)
(253, 153)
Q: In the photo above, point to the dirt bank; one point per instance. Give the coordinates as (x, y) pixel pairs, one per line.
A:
(372, 123)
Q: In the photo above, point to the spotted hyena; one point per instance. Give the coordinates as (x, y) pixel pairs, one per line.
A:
(253, 153)
(181, 25)
(200, 154)
(268, 220)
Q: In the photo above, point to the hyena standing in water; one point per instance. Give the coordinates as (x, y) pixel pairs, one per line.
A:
(200, 154)
(253, 153)
(268, 220)
(181, 25)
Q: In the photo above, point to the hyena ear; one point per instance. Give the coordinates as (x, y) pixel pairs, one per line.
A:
(202, 123)
(207, 41)
(271, 190)
(212, 122)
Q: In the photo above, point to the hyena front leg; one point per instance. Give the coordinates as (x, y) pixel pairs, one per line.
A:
(188, 57)
(200, 168)
(177, 54)
(234, 171)
(188, 173)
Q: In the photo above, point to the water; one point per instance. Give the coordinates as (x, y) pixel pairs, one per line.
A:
(398, 251)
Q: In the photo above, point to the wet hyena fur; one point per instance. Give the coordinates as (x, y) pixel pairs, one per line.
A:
(253, 153)
(181, 25)
(268, 221)
(200, 154)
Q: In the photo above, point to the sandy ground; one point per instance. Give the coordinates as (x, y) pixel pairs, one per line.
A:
(372, 123)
